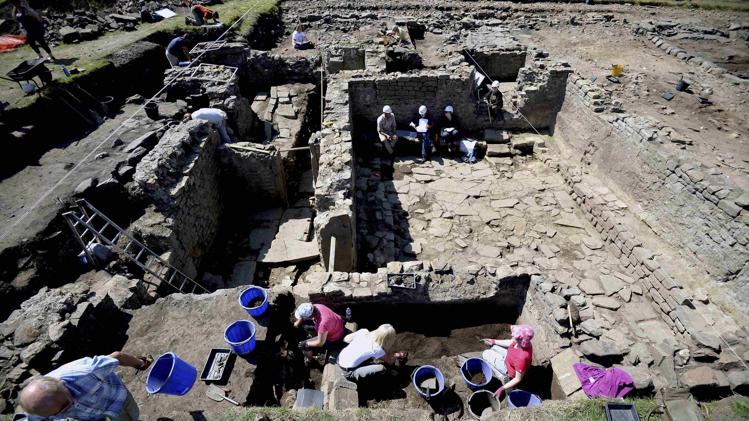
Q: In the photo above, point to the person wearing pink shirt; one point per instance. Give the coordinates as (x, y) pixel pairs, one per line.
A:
(329, 327)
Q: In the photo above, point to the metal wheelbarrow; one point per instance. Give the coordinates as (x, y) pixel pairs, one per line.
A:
(27, 71)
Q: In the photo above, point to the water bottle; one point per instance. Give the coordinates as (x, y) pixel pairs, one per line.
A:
(348, 314)
(66, 71)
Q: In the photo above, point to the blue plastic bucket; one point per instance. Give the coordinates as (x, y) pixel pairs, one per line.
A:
(252, 293)
(171, 376)
(426, 372)
(522, 399)
(472, 366)
(240, 335)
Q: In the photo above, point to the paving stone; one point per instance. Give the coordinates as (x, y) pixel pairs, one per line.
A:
(607, 302)
(591, 286)
(641, 377)
(600, 350)
(591, 327)
(504, 203)
(739, 381)
(611, 285)
(625, 294)
(703, 377)
(569, 221)
(706, 340)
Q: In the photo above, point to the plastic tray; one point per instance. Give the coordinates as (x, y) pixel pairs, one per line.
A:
(621, 412)
(221, 373)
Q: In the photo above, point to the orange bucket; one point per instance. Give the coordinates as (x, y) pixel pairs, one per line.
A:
(617, 70)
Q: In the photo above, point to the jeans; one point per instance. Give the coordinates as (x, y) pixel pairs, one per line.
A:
(173, 60)
(426, 144)
(363, 371)
(496, 356)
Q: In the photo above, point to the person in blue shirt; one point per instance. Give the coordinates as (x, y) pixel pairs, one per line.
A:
(87, 389)
(177, 50)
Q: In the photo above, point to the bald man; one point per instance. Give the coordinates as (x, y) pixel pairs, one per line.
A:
(84, 389)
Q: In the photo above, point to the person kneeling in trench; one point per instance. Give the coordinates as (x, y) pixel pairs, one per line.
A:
(510, 358)
(212, 115)
(84, 389)
(358, 358)
(328, 325)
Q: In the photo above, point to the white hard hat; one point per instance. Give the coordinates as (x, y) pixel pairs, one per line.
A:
(449, 109)
(495, 84)
(304, 311)
(423, 110)
(387, 109)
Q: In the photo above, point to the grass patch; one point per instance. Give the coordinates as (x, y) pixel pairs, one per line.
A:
(577, 410)
(740, 409)
(275, 414)
(93, 55)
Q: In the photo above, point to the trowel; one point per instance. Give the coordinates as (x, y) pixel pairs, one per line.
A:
(217, 394)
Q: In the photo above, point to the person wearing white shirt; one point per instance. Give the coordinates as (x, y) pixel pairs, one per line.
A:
(423, 126)
(212, 115)
(358, 358)
(299, 39)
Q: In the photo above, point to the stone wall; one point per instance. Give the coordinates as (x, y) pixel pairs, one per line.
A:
(406, 92)
(334, 186)
(180, 177)
(255, 171)
(437, 282)
(694, 208)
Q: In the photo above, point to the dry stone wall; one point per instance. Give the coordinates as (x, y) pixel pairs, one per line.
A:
(695, 208)
(334, 198)
(257, 171)
(180, 176)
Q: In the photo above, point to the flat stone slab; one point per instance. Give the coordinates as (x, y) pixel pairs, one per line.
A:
(290, 251)
(504, 203)
(611, 285)
(561, 365)
(591, 286)
(607, 302)
(296, 224)
(569, 221)
(243, 273)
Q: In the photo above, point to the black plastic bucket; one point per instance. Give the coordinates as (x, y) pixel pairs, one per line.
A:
(682, 85)
(107, 105)
(152, 110)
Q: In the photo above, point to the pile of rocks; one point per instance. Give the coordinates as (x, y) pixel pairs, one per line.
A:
(58, 325)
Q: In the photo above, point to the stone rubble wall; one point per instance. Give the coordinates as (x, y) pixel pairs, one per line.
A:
(438, 282)
(541, 88)
(58, 325)
(692, 207)
(180, 176)
(705, 64)
(257, 173)
(334, 195)
(406, 92)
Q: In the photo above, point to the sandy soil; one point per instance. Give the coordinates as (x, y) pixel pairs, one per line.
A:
(22, 190)
(720, 132)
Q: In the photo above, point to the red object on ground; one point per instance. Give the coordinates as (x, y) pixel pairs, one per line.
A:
(206, 12)
(11, 42)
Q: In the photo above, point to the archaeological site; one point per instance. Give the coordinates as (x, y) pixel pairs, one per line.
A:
(446, 182)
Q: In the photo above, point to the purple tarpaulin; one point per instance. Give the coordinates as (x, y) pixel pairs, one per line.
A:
(600, 382)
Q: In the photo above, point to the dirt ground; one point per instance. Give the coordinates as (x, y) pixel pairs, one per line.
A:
(720, 132)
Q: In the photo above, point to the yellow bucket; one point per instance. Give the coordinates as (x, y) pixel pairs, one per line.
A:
(617, 70)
